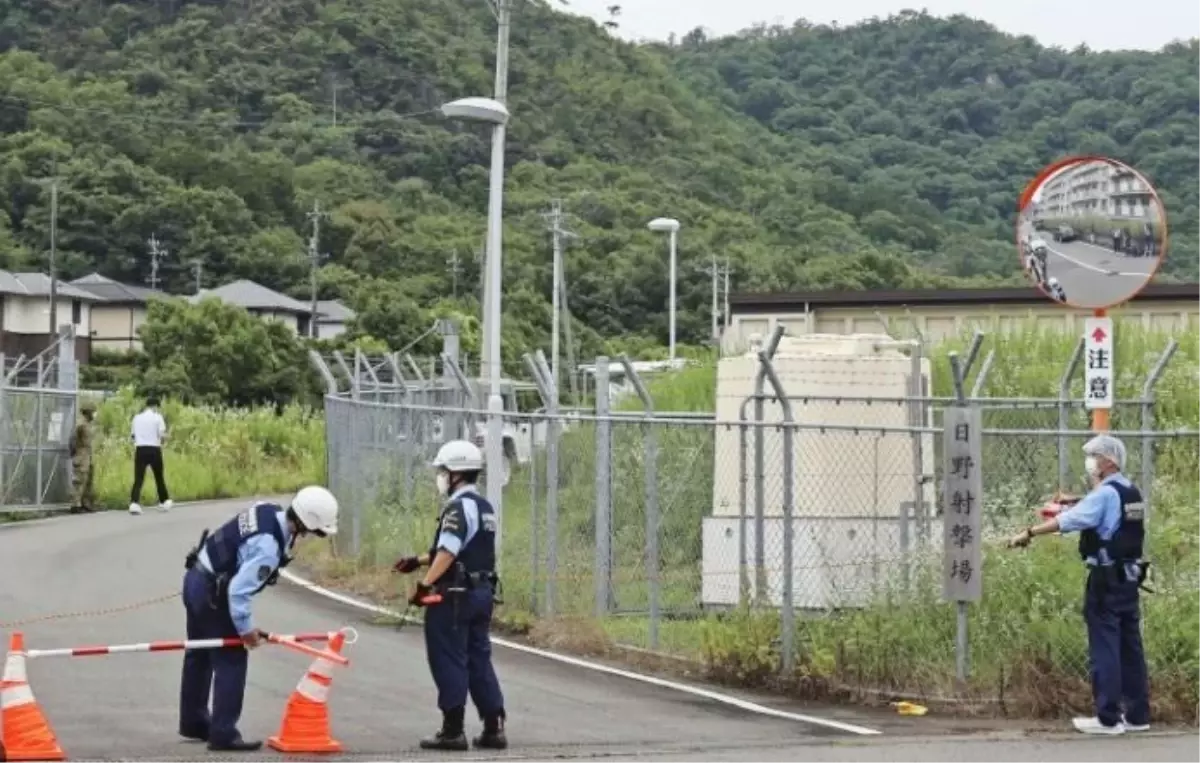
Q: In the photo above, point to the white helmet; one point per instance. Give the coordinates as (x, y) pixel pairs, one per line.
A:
(459, 456)
(316, 509)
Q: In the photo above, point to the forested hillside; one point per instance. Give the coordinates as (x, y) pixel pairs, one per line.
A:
(887, 154)
(925, 130)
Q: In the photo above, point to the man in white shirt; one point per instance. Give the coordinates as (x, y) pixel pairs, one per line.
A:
(148, 430)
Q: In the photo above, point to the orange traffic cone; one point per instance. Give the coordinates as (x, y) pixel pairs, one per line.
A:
(24, 732)
(306, 719)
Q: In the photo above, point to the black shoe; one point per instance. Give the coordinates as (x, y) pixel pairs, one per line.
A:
(491, 740)
(237, 745)
(195, 735)
(444, 741)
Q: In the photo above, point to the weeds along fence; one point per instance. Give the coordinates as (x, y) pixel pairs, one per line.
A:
(671, 532)
(38, 400)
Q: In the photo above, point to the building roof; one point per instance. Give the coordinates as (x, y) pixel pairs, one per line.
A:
(253, 296)
(114, 291)
(766, 303)
(38, 285)
(332, 311)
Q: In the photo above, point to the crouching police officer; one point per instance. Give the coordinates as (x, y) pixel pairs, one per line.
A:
(1110, 522)
(224, 571)
(462, 569)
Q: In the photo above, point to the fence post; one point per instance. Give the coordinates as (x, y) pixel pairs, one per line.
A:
(1147, 483)
(760, 469)
(603, 561)
(788, 616)
(534, 520)
(743, 513)
(914, 519)
(650, 441)
(553, 431)
(1064, 410)
(961, 642)
(5, 482)
(39, 430)
(68, 366)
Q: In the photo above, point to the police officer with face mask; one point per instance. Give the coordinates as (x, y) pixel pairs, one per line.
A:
(1110, 522)
(224, 571)
(462, 569)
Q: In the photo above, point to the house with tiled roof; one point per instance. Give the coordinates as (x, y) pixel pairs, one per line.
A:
(119, 314)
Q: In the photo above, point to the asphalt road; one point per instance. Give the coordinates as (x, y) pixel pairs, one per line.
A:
(1094, 276)
(123, 707)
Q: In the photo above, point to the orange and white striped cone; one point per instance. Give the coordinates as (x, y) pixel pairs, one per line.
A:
(25, 734)
(305, 727)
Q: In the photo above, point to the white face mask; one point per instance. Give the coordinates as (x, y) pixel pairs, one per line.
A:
(1092, 466)
(443, 483)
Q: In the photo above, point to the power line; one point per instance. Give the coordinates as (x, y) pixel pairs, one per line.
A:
(207, 121)
(156, 254)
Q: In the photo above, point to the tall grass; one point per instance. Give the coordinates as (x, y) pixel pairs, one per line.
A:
(211, 452)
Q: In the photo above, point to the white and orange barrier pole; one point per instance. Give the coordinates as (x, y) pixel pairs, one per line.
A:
(26, 735)
(289, 641)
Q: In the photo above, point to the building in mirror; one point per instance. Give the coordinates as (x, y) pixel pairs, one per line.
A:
(1092, 233)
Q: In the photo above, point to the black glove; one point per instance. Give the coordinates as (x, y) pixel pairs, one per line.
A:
(406, 565)
(420, 591)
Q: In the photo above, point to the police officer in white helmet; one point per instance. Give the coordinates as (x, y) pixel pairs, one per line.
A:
(461, 579)
(224, 571)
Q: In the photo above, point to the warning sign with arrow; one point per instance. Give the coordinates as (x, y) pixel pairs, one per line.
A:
(1098, 355)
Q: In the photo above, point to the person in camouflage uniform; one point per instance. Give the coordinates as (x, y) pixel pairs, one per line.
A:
(83, 489)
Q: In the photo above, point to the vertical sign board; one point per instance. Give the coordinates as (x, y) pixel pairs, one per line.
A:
(962, 514)
(1098, 371)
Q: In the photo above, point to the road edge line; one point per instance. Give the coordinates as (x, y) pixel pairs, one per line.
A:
(726, 699)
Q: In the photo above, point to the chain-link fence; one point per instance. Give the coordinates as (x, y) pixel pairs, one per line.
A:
(38, 399)
(671, 531)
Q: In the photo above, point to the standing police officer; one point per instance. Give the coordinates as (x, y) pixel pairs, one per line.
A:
(224, 571)
(1110, 522)
(462, 568)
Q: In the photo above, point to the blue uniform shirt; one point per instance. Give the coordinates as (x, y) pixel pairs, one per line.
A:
(257, 552)
(451, 537)
(1099, 510)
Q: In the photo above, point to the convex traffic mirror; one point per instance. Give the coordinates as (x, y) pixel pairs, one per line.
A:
(1091, 232)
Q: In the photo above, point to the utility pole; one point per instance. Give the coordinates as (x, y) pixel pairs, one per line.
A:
(454, 267)
(314, 259)
(54, 254)
(198, 273)
(714, 274)
(554, 220)
(156, 254)
(726, 311)
(335, 89)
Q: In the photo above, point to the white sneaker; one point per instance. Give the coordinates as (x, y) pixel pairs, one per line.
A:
(1093, 726)
(1134, 726)
(166, 505)
(135, 509)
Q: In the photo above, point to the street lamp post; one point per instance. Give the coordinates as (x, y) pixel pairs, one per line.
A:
(494, 113)
(671, 226)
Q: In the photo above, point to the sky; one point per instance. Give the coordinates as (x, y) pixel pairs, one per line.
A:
(1101, 24)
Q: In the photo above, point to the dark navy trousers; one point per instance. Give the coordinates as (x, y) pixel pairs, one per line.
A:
(1111, 610)
(219, 672)
(459, 649)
